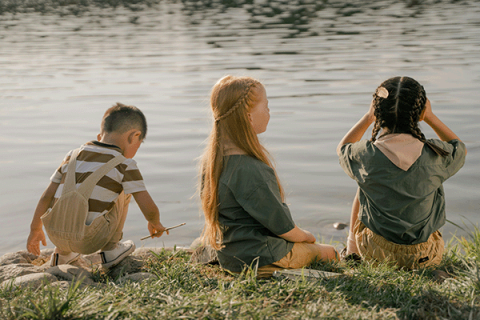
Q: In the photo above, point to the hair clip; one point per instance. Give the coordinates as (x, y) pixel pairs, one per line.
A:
(382, 92)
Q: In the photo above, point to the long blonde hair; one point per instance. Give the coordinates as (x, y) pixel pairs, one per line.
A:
(231, 100)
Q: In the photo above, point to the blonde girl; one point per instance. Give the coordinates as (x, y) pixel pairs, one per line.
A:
(400, 203)
(246, 218)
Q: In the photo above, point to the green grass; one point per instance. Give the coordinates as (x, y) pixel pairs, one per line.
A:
(185, 291)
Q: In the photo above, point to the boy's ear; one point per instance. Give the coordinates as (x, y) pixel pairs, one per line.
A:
(99, 137)
(133, 134)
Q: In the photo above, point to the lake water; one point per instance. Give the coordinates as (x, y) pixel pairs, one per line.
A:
(319, 63)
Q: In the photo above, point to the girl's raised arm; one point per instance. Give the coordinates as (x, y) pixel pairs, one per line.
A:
(441, 129)
(358, 130)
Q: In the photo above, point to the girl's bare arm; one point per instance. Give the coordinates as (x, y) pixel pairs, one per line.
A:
(358, 130)
(441, 129)
(298, 235)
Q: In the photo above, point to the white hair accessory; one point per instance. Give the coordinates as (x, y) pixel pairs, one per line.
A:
(382, 92)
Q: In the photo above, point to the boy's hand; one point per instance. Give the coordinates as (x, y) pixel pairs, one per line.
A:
(156, 228)
(34, 239)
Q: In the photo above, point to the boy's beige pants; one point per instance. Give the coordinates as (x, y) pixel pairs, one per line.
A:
(375, 247)
(65, 222)
(105, 232)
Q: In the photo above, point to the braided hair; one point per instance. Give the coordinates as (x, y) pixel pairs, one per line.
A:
(400, 109)
(242, 101)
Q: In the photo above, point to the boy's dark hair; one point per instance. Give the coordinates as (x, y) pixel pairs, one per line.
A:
(121, 118)
(401, 109)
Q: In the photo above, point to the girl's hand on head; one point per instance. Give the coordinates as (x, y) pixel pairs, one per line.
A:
(427, 113)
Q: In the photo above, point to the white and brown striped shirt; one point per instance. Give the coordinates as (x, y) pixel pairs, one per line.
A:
(92, 156)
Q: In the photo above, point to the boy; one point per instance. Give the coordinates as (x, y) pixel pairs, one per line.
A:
(114, 177)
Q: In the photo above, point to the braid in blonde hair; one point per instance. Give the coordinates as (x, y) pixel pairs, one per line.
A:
(240, 102)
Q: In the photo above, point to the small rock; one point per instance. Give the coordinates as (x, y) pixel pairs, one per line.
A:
(70, 273)
(29, 280)
(88, 262)
(340, 225)
(17, 257)
(17, 270)
(440, 276)
(204, 255)
(25, 257)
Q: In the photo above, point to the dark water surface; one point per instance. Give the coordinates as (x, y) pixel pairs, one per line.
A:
(319, 61)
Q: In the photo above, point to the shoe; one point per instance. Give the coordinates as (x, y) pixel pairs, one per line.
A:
(113, 257)
(351, 257)
(58, 258)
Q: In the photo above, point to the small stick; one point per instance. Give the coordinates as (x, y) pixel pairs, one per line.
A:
(169, 228)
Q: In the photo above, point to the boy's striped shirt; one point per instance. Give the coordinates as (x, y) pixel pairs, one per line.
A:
(124, 177)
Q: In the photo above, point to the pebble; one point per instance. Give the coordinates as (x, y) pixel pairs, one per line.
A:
(439, 276)
(340, 225)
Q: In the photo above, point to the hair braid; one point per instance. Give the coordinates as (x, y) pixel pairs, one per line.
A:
(240, 102)
(379, 118)
(414, 128)
(415, 117)
(376, 126)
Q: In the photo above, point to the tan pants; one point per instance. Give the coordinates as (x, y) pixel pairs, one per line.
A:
(103, 233)
(375, 247)
(302, 255)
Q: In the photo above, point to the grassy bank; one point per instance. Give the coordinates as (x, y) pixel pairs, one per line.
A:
(187, 291)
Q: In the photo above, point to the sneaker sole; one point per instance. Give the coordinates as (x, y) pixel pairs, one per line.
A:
(117, 260)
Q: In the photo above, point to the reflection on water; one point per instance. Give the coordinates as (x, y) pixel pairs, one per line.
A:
(319, 61)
